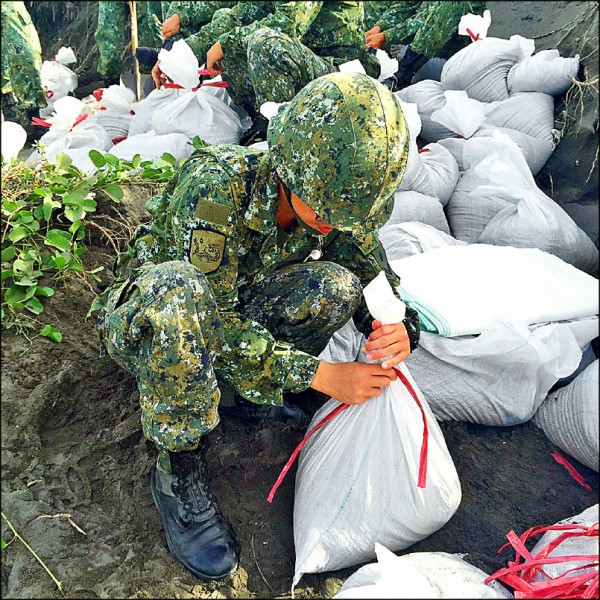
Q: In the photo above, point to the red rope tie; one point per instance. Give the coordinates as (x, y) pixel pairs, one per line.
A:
(424, 150)
(572, 470)
(474, 38)
(424, 445)
(119, 139)
(78, 120)
(40, 122)
(97, 93)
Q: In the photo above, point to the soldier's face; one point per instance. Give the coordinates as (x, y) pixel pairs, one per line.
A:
(309, 216)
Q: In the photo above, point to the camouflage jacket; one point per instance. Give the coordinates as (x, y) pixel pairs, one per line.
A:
(194, 15)
(428, 27)
(333, 29)
(220, 215)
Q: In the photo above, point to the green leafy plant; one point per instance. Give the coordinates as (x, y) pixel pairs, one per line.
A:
(44, 210)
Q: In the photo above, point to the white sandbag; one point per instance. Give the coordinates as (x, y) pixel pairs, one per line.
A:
(428, 95)
(411, 114)
(151, 146)
(442, 170)
(118, 99)
(462, 290)
(57, 79)
(573, 546)
(466, 216)
(141, 121)
(569, 417)
(546, 72)
(460, 113)
(115, 124)
(12, 138)
(199, 114)
(413, 206)
(529, 112)
(180, 64)
(416, 176)
(474, 26)
(481, 68)
(432, 69)
(344, 502)
(406, 239)
(497, 378)
(419, 575)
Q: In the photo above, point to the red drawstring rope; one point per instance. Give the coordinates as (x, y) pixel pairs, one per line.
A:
(78, 120)
(219, 84)
(40, 122)
(97, 93)
(572, 470)
(474, 38)
(424, 445)
(424, 150)
(119, 139)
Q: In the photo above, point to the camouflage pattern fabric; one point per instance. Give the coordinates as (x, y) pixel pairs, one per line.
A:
(431, 30)
(194, 15)
(112, 33)
(385, 13)
(331, 31)
(219, 218)
(21, 58)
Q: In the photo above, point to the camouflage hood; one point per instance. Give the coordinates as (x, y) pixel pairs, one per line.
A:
(341, 145)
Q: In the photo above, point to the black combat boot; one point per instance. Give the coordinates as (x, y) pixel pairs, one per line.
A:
(288, 414)
(197, 534)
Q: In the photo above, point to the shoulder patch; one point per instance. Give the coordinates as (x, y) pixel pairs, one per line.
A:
(212, 212)
(206, 250)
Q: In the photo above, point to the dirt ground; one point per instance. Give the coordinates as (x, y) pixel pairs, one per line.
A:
(72, 449)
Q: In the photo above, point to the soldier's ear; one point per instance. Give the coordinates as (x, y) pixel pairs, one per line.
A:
(268, 109)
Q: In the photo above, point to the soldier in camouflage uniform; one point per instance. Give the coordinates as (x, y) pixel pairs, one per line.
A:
(224, 293)
(187, 18)
(430, 29)
(21, 61)
(111, 33)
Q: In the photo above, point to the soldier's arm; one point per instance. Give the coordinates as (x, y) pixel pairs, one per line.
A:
(194, 15)
(366, 258)
(397, 13)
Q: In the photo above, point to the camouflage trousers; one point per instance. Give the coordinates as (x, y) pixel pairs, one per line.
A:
(164, 327)
(272, 66)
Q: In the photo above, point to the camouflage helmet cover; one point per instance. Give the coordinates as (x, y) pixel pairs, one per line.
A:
(341, 145)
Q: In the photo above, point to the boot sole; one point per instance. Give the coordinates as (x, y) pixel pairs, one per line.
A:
(171, 547)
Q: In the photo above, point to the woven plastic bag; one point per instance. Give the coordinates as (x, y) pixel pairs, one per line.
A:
(481, 69)
(569, 417)
(419, 575)
(57, 79)
(377, 472)
(563, 564)
(546, 72)
(141, 120)
(151, 146)
(413, 206)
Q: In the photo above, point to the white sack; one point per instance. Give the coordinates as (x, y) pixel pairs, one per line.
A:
(442, 170)
(388, 65)
(477, 26)
(419, 575)
(115, 124)
(416, 176)
(461, 290)
(460, 113)
(65, 56)
(432, 69)
(569, 417)
(544, 72)
(199, 113)
(428, 95)
(151, 146)
(529, 112)
(482, 67)
(13, 138)
(411, 114)
(571, 546)
(57, 79)
(498, 378)
(180, 65)
(406, 239)
(141, 121)
(346, 497)
(118, 99)
(413, 206)
(344, 500)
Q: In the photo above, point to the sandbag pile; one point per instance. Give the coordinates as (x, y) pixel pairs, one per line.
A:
(57, 79)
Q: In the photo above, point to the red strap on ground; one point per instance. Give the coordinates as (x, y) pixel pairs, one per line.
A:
(424, 445)
(572, 470)
(40, 122)
(474, 38)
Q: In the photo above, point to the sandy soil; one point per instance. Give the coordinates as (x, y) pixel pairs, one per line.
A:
(72, 445)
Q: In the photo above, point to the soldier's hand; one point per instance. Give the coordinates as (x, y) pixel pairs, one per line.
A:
(213, 59)
(376, 40)
(372, 31)
(388, 341)
(158, 76)
(352, 382)
(171, 26)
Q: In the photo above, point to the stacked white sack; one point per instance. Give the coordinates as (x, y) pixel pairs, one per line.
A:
(57, 79)
(419, 575)
(151, 146)
(344, 502)
(462, 290)
(117, 102)
(413, 206)
(498, 202)
(141, 120)
(544, 72)
(569, 417)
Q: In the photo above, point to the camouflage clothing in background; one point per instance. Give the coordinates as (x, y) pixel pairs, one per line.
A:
(21, 58)
(428, 28)
(194, 15)
(375, 9)
(113, 33)
(332, 31)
